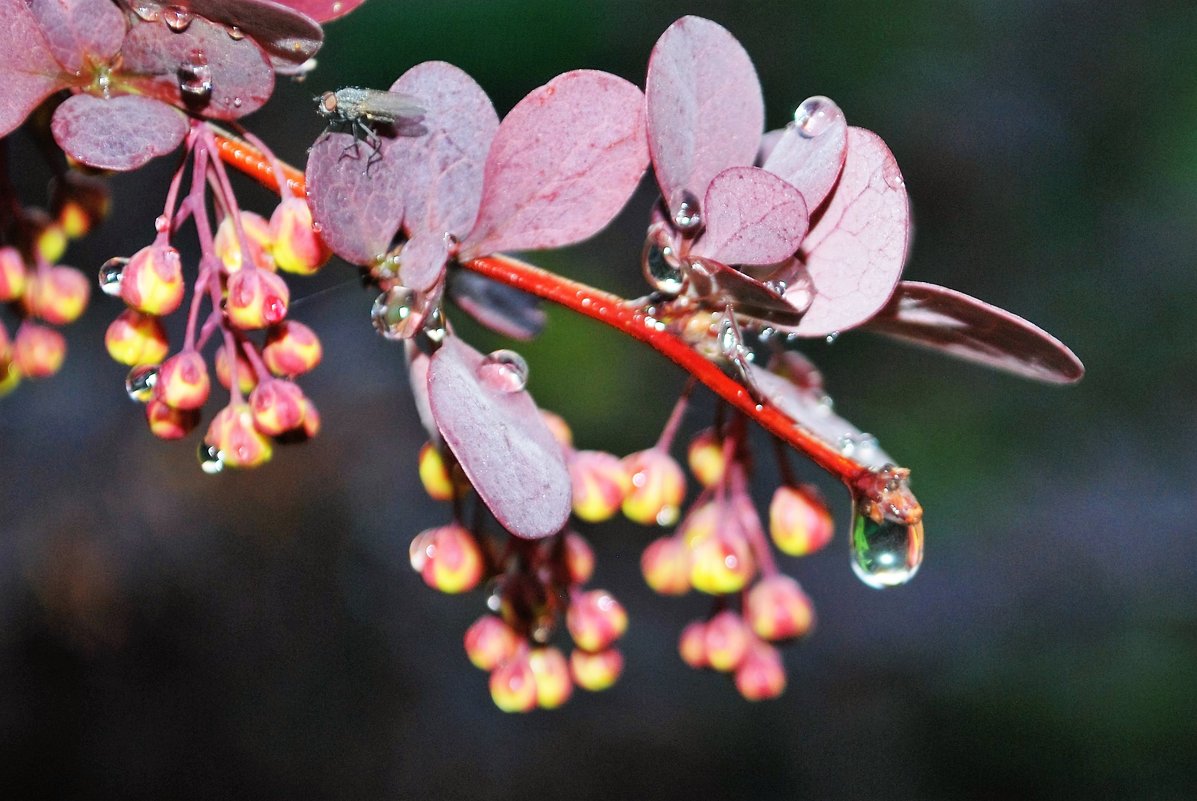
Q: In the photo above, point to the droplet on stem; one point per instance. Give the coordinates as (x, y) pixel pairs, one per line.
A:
(887, 529)
(814, 116)
(686, 214)
(111, 273)
(504, 370)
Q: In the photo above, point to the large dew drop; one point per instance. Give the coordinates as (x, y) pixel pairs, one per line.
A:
(887, 529)
(814, 116)
(141, 381)
(398, 313)
(504, 371)
(177, 18)
(661, 267)
(111, 272)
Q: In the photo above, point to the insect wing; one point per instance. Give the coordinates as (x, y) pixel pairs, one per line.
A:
(390, 108)
(718, 285)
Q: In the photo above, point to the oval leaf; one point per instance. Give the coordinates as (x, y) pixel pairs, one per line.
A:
(278, 28)
(563, 163)
(752, 217)
(119, 133)
(30, 71)
(950, 321)
(358, 206)
(811, 156)
(705, 111)
(423, 261)
(854, 254)
(501, 308)
(443, 167)
(322, 10)
(501, 442)
(79, 31)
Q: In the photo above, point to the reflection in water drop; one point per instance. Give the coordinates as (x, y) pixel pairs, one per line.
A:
(503, 370)
(195, 77)
(661, 267)
(235, 33)
(210, 458)
(887, 529)
(111, 273)
(686, 214)
(814, 116)
(140, 381)
(177, 18)
(398, 313)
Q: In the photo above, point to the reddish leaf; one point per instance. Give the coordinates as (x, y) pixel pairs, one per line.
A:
(322, 10)
(810, 153)
(359, 208)
(443, 168)
(119, 133)
(855, 253)
(423, 261)
(752, 217)
(563, 163)
(417, 376)
(499, 307)
(27, 63)
(950, 321)
(80, 31)
(240, 74)
(278, 28)
(502, 443)
(705, 111)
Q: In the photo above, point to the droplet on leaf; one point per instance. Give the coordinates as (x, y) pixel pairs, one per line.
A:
(503, 370)
(140, 382)
(177, 18)
(398, 313)
(195, 77)
(661, 267)
(686, 214)
(111, 272)
(815, 115)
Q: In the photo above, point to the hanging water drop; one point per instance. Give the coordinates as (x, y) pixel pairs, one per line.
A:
(195, 77)
(815, 115)
(832, 337)
(111, 273)
(147, 11)
(686, 214)
(397, 313)
(503, 370)
(140, 382)
(887, 529)
(177, 18)
(661, 268)
(211, 459)
(235, 33)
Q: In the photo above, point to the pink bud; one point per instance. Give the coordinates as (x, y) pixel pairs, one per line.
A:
(665, 564)
(136, 338)
(256, 299)
(291, 349)
(152, 281)
(706, 458)
(489, 642)
(13, 274)
(692, 644)
(453, 560)
(169, 423)
(513, 685)
(600, 485)
(297, 246)
(38, 351)
(799, 521)
(778, 609)
(183, 381)
(246, 377)
(257, 232)
(551, 672)
(579, 558)
(761, 675)
(233, 434)
(57, 295)
(658, 487)
(278, 406)
(595, 620)
(726, 640)
(595, 672)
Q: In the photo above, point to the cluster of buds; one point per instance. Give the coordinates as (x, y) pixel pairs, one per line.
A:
(535, 586)
(42, 293)
(238, 276)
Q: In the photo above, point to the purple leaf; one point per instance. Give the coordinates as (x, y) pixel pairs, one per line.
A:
(30, 72)
(855, 253)
(563, 163)
(443, 168)
(277, 28)
(423, 261)
(228, 78)
(501, 442)
(705, 111)
(119, 133)
(359, 208)
(752, 217)
(499, 307)
(810, 153)
(950, 321)
(417, 376)
(322, 10)
(80, 31)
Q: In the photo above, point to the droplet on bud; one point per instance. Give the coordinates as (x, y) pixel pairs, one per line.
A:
(111, 272)
(397, 313)
(504, 370)
(141, 381)
(686, 214)
(195, 77)
(211, 460)
(887, 529)
(660, 264)
(815, 115)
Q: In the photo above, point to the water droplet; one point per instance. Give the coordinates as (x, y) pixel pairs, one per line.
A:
(195, 77)
(398, 313)
(503, 370)
(860, 447)
(140, 381)
(211, 459)
(893, 176)
(887, 529)
(434, 325)
(235, 33)
(111, 272)
(686, 214)
(337, 6)
(148, 11)
(177, 18)
(832, 337)
(661, 268)
(815, 115)
(237, 102)
(162, 223)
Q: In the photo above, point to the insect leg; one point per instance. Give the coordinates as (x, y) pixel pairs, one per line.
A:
(732, 347)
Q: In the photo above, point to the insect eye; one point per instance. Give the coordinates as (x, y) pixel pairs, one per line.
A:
(328, 102)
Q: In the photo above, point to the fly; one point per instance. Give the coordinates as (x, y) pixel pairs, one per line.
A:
(369, 112)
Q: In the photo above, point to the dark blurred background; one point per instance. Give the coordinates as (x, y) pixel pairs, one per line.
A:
(167, 634)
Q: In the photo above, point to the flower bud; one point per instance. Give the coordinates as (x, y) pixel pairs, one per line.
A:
(761, 675)
(778, 609)
(692, 644)
(246, 377)
(278, 406)
(600, 485)
(152, 281)
(489, 642)
(434, 475)
(233, 434)
(658, 487)
(257, 299)
(453, 560)
(297, 247)
(706, 458)
(167, 422)
(50, 241)
(57, 295)
(311, 418)
(78, 202)
(579, 558)
(595, 672)
(291, 349)
(136, 338)
(665, 564)
(13, 275)
(5, 345)
(726, 640)
(38, 351)
(722, 562)
(799, 521)
(595, 620)
(183, 381)
(551, 672)
(513, 685)
(257, 232)
(10, 376)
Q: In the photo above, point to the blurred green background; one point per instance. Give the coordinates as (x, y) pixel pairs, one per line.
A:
(166, 634)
